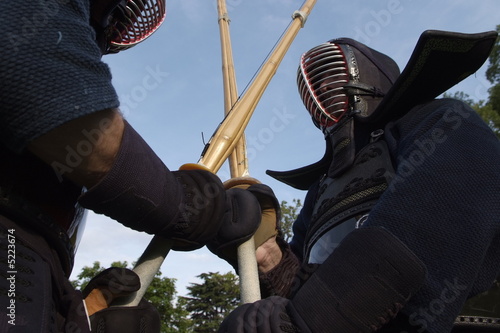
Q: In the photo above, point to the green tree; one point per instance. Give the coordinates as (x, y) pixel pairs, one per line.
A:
(493, 75)
(493, 70)
(181, 320)
(494, 98)
(289, 214)
(490, 115)
(211, 301)
(488, 110)
(485, 110)
(161, 293)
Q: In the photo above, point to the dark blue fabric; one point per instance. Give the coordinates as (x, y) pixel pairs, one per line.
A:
(301, 224)
(50, 70)
(444, 204)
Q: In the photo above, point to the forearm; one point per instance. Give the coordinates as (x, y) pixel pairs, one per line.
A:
(277, 267)
(82, 150)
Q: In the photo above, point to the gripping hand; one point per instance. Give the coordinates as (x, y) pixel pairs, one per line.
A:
(107, 286)
(234, 232)
(185, 206)
(361, 287)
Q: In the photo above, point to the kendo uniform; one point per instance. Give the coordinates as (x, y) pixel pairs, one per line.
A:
(424, 169)
(51, 73)
(37, 208)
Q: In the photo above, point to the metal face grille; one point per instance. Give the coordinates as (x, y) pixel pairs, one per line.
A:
(321, 76)
(135, 22)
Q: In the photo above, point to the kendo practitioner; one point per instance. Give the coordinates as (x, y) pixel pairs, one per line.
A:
(64, 146)
(401, 221)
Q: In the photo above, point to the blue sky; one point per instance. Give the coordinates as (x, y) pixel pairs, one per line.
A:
(170, 88)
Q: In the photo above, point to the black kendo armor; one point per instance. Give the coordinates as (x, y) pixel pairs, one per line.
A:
(31, 192)
(338, 81)
(343, 202)
(33, 195)
(357, 167)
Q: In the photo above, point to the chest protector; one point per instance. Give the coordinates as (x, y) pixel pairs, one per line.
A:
(344, 201)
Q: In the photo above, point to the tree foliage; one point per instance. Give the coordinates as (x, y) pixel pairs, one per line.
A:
(289, 214)
(212, 300)
(490, 115)
(488, 110)
(491, 110)
(493, 70)
(162, 293)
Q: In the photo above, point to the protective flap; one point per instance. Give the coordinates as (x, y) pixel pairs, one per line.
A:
(303, 178)
(440, 60)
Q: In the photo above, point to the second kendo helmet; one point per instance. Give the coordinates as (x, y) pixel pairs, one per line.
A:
(121, 24)
(343, 78)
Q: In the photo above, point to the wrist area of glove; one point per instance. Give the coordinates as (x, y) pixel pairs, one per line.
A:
(113, 282)
(142, 193)
(204, 206)
(279, 281)
(273, 314)
(127, 319)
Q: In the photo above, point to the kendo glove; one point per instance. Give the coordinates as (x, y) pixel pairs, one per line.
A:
(139, 191)
(362, 286)
(107, 286)
(234, 232)
(270, 315)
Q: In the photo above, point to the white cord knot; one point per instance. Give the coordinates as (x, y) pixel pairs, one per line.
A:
(224, 17)
(302, 15)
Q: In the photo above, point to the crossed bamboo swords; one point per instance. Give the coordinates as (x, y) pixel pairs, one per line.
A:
(228, 141)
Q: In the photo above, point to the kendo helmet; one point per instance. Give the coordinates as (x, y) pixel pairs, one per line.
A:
(343, 78)
(121, 24)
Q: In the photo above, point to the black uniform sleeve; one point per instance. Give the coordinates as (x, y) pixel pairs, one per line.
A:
(443, 204)
(51, 68)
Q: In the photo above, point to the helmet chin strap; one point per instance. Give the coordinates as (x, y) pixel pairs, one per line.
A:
(358, 88)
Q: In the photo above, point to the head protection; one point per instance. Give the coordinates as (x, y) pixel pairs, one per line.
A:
(343, 77)
(121, 24)
(440, 60)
